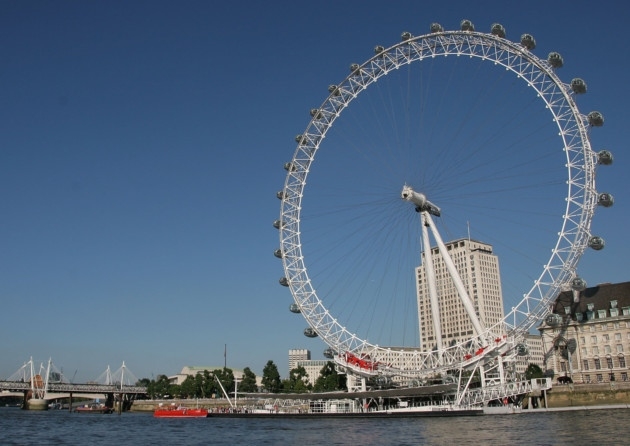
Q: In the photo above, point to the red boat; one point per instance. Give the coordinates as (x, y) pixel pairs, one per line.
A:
(180, 412)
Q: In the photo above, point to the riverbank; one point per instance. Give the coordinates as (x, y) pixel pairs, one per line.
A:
(572, 408)
(565, 397)
(588, 395)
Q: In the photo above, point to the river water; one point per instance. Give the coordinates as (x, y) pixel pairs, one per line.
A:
(56, 427)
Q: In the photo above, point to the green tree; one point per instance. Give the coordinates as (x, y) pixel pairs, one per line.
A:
(329, 380)
(188, 387)
(161, 386)
(271, 378)
(533, 371)
(226, 377)
(144, 382)
(248, 383)
(297, 382)
(199, 390)
(209, 385)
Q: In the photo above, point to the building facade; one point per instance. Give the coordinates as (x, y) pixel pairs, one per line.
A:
(296, 355)
(196, 370)
(478, 268)
(313, 368)
(587, 335)
(535, 354)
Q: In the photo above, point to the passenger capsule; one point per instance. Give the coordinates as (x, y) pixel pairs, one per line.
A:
(522, 350)
(278, 253)
(605, 200)
(284, 281)
(310, 333)
(405, 36)
(578, 86)
(596, 242)
(498, 30)
(280, 194)
(378, 49)
(604, 157)
(334, 90)
(329, 353)
(354, 68)
(555, 60)
(553, 319)
(277, 224)
(315, 113)
(294, 308)
(466, 25)
(528, 41)
(289, 167)
(436, 28)
(300, 139)
(595, 119)
(578, 284)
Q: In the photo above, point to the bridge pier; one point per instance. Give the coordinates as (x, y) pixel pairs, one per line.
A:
(24, 400)
(109, 400)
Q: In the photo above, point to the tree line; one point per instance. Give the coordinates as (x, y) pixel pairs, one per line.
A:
(207, 384)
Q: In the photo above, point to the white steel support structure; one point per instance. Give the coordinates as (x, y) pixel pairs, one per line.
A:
(428, 259)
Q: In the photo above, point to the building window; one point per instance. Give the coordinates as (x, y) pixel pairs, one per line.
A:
(613, 304)
(595, 350)
(563, 366)
(567, 310)
(587, 378)
(614, 312)
(606, 337)
(611, 376)
(607, 349)
(617, 336)
(624, 376)
(584, 352)
(619, 348)
(585, 364)
(578, 316)
(590, 307)
(598, 365)
(600, 378)
(609, 362)
(625, 311)
(594, 339)
(622, 361)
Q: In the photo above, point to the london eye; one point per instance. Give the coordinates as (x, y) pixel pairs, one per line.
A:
(449, 135)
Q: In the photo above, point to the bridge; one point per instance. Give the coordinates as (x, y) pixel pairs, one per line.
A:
(66, 389)
(49, 384)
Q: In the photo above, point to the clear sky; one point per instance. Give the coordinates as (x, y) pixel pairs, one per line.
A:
(141, 148)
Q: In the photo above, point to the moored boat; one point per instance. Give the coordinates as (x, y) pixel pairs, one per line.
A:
(180, 412)
(93, 408)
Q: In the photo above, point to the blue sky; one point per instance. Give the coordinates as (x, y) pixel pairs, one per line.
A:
(142, 145)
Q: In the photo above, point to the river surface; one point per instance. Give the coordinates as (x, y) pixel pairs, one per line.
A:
(57, 427)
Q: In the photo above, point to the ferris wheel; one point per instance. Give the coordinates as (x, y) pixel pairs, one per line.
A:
(460, 135)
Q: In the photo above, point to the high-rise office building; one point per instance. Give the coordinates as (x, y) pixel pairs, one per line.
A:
(296, 355)
(478, 268)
